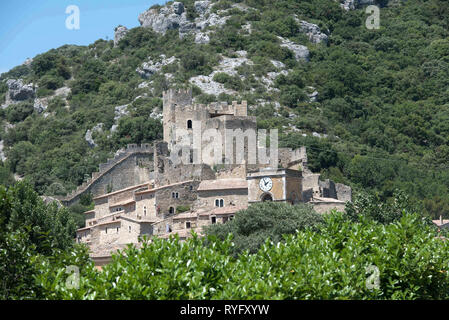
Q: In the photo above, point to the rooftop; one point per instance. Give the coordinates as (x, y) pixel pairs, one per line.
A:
(223, 184)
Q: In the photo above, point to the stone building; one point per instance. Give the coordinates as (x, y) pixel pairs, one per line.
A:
(157, 197)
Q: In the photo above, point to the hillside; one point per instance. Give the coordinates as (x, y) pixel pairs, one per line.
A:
(372, 106)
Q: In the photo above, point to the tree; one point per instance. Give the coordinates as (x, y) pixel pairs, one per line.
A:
(251, 227)
(31, 231)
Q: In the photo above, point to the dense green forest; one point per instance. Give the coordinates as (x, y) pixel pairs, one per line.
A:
(383, 96)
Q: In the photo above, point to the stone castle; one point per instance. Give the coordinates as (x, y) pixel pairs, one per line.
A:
(141, 191)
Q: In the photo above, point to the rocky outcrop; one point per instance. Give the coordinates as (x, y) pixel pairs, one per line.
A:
(175, 17)
(201, 7)
(356, 4)
(18, 91)
(313, 32)
(48, 200)
(301, 52)
(227, 65)
(202, 38)
(147, 69)
(40, 104)
(120, 33)
(89, 132)
(166, 18)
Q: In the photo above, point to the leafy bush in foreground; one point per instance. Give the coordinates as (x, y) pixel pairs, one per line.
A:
(329, 264)
(251, 227)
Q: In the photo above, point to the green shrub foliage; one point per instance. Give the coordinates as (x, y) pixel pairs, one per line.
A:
(331, 263)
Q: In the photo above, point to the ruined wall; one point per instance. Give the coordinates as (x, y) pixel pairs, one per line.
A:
(129, 167)
(328, 189)
(325, 207)
(344, 192)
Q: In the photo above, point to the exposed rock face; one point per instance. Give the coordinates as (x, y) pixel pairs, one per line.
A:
(62, 92)
(120, 111)
(227, 65)
(301, 52)
(355, 4)
(201, 6)
(88, 136)
(147, 69)
(120, 32)
(17, 91)
(175, 17)
(165, 18)
(313, 32)
(156, 114)
(48, 200)
(40, 105)
(202, 38)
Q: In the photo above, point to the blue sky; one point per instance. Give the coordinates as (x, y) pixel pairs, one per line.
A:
(28, 28)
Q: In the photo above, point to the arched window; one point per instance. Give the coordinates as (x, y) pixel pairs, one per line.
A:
(189, 124)
(219, 202)
(267, 197)
(171, 210)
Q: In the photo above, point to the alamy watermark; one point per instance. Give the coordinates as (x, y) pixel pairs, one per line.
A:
(373, 20)
(72, 22)
(73, 280)
(373, 281)
(214, 146)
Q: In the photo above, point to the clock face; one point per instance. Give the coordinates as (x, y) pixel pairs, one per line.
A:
(265, 184)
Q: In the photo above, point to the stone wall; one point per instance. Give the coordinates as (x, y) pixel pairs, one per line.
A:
(129, 167)
(236, 197)
(187, 195)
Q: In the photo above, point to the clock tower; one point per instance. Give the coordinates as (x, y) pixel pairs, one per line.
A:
(282, 185)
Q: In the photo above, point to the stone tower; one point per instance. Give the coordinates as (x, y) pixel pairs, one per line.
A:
(172, 99)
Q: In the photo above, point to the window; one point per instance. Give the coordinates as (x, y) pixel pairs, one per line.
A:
(231, 217)
(144, 210)
(106, 230)
(219, 202)
(189, 124)
(188, 225)
(171, 210)
(175, 195)
(213, 220)
(129, 229)
(190, 188)
(117, 229)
